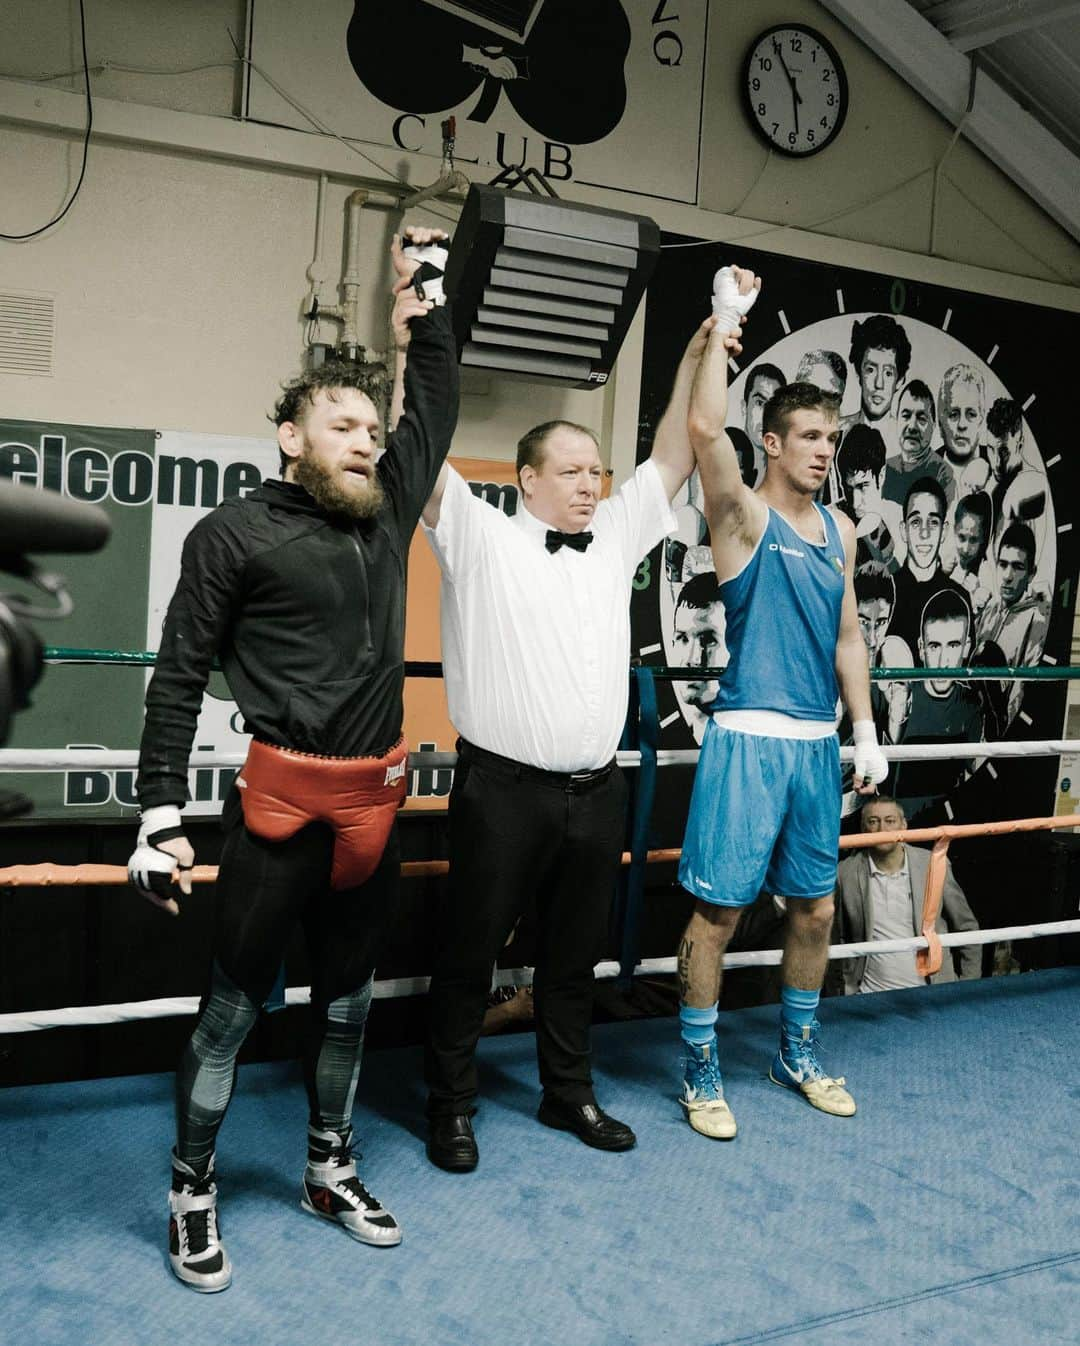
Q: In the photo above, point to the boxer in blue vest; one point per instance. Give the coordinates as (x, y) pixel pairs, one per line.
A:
(765, 811)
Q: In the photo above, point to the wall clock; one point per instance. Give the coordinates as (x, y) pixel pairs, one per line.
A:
(795, 89)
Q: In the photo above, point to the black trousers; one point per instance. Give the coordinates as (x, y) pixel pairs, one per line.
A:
(264, 889)
(519, 835)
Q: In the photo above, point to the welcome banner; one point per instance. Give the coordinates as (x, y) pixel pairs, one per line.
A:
(155, 486)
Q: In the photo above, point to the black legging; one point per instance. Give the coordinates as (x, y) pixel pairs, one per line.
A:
(263, 889)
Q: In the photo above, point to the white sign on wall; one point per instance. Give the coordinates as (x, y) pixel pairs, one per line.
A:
(212, 458)
(605, 93)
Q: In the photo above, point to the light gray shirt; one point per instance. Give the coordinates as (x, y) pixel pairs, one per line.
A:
(890, 903)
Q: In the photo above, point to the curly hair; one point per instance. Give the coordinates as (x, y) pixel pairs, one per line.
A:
(880, 332)
(298, 394)
(1003, 418)
(831, 359)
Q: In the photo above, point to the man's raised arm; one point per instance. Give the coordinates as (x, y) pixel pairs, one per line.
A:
(730, 507)
(672, 455)
(424, 401)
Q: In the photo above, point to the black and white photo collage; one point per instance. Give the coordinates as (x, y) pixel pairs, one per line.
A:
(940, 467)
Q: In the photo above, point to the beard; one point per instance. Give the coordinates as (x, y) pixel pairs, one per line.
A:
(325, 488)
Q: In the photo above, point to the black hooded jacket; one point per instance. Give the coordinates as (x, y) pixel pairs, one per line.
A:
(305, 609)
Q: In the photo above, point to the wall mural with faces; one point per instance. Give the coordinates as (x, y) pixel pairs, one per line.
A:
(950, 464)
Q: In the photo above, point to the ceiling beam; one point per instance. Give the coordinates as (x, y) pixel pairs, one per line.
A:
(1011, 138)
(971, 24)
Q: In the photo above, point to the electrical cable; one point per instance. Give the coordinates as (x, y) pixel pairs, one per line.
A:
(33, 233)
(1062, 276)
(939, 166)
(996, 222)
(737, 210)
(319, 125)
(309, 116)
(106, 66)
(812, 224)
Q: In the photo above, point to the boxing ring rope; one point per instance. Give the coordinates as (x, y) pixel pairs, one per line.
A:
(928, 947)
(642, 733)
(646, 757)
(431, 668)
(32, 760)
(86, 1016)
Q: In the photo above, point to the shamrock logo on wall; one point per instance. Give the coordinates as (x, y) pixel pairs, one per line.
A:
(560, 63)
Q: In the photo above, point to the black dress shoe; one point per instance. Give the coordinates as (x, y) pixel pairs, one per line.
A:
(451, 1143)
(588, 1122)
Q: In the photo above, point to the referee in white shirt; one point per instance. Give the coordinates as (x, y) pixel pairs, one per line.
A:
(536, 652)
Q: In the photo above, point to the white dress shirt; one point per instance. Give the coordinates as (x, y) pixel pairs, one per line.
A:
(536, 644)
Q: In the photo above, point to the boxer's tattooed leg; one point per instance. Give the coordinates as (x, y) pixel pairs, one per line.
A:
(686, 949)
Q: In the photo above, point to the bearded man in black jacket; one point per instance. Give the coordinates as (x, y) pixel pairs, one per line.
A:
(299, 588)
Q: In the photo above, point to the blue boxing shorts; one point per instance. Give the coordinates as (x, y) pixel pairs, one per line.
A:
(764, 815)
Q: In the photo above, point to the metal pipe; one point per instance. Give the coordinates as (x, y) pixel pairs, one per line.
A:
(448, 182)
(350, 280)
(318, 273)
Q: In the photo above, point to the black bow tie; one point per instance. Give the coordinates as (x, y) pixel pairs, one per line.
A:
(577, 541)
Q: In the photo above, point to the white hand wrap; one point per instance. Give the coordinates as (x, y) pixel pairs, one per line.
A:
(428, 277)
(151, 869)
(728, 305)
(870, 762)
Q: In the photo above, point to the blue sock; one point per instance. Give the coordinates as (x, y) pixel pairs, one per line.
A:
(698, 1025)
(797, 1008)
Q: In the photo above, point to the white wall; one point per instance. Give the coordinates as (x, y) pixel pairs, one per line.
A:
(179, 275)
(875, 183)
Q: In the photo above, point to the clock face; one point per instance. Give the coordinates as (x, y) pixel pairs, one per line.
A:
(795, 89)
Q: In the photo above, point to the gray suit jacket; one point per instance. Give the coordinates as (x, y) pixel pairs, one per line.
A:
(855, 918)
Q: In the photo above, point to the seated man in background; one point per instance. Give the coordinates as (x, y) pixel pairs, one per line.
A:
(880, 896)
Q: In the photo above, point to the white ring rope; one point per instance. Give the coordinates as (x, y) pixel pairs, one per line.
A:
(30, 1021)
(94, 759)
